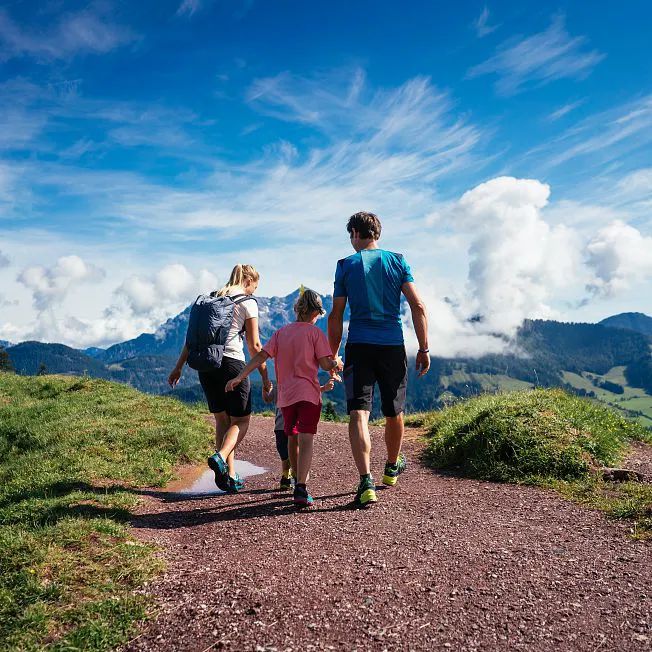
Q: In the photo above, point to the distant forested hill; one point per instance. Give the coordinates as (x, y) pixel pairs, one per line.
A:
(632, 321)
(27, 357)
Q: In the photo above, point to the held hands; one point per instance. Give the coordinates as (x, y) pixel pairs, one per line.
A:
(340, 365)
(174, 377)
(233, 383)
(423, 363)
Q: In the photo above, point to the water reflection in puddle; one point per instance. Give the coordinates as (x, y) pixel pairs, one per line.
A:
(202, 479)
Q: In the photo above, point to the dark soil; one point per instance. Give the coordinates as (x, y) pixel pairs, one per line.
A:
(439, 563)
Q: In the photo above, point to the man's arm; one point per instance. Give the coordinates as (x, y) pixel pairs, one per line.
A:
(420, 322)
(336, 324)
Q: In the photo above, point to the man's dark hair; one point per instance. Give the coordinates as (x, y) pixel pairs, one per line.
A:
(366, 224)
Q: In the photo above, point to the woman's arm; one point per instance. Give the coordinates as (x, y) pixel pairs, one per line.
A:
(254, 346)
(254, 363)
(175, 375)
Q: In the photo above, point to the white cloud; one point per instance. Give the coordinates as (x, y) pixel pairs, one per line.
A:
(85, 31)
(4, 260)
(615, 135)
(564, 110)
(169, 286)
(619, 255)
(189, 7)
(540, 58)
(481, 24)
(50, 285)
(518, 261)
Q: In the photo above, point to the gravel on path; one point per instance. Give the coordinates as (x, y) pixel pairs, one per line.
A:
(439, 563)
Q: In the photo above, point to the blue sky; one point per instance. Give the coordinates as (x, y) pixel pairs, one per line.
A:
(147, 147)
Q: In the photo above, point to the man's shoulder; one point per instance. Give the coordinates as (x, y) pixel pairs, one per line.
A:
(354, 257)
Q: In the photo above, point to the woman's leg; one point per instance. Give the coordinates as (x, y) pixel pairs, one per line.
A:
(233, 436)
(222, 423)
(304, 458)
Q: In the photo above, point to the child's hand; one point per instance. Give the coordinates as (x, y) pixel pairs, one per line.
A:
(328, 387)
(232, 384)
(267, 393)
(340, 364)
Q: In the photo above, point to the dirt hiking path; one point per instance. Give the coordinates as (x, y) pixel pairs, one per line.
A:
(439, 563)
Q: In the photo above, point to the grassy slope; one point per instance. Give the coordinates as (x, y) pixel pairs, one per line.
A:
(68, 567)
(633, 399)
(543, 437)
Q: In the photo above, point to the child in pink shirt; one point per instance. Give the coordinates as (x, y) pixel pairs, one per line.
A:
(299, 349)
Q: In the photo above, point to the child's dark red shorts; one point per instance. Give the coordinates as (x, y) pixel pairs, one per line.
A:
(301, 417)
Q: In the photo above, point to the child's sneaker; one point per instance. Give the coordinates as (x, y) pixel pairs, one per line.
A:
(392, 471)
(366, 494)
(221, 470)
(285, 483)
(301, 496)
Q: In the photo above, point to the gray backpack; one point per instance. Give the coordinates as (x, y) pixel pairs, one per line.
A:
(209, 323)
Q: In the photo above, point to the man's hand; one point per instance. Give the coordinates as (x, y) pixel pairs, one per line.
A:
(340, 364)
(174, 377)
(423, 363)
(232, 384)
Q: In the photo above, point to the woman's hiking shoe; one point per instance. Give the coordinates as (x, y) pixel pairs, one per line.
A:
(285, 483)
(366, 495)
(235, 484)
(301, 496)
(221, 470)
(392, 471)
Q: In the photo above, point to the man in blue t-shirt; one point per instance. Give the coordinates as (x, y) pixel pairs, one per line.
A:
(372, 281)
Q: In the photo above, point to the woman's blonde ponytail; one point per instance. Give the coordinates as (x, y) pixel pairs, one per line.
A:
(239, 274)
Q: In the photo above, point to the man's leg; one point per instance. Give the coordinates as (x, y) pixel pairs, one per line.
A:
(394, 431)
(360, 440)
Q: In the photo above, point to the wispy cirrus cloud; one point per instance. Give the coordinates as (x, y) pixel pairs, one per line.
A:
(89, 31)
(620, 133)
(559, 113)
(481, 24)
(539, 59)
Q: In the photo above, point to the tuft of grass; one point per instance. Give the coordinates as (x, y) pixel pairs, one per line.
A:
(72, 450)
(544, 437)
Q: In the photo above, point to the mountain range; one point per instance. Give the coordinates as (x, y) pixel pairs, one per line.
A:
(596, 360)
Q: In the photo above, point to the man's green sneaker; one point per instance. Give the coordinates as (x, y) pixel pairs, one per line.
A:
(392, 471)
(366, 494)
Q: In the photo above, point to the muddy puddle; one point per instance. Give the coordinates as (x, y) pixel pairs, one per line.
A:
(198, 480)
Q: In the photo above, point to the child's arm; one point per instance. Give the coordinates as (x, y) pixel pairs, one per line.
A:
(254, 363)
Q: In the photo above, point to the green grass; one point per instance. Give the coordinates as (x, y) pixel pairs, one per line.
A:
(72, 450)
(633, 400)
(542, 437)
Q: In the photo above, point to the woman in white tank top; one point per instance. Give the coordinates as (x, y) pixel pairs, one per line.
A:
(232, 410)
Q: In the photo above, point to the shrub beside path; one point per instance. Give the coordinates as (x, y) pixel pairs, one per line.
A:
(439, 563)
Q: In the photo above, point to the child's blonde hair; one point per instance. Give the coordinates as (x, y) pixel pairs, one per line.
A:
(307, 303)
(239, 275)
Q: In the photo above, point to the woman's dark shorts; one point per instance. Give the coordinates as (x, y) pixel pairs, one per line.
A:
(236, 403)
(368, 364)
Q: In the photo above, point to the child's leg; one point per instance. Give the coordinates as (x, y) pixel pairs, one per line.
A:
(304, 461)
(282, 448)
(293, 450)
